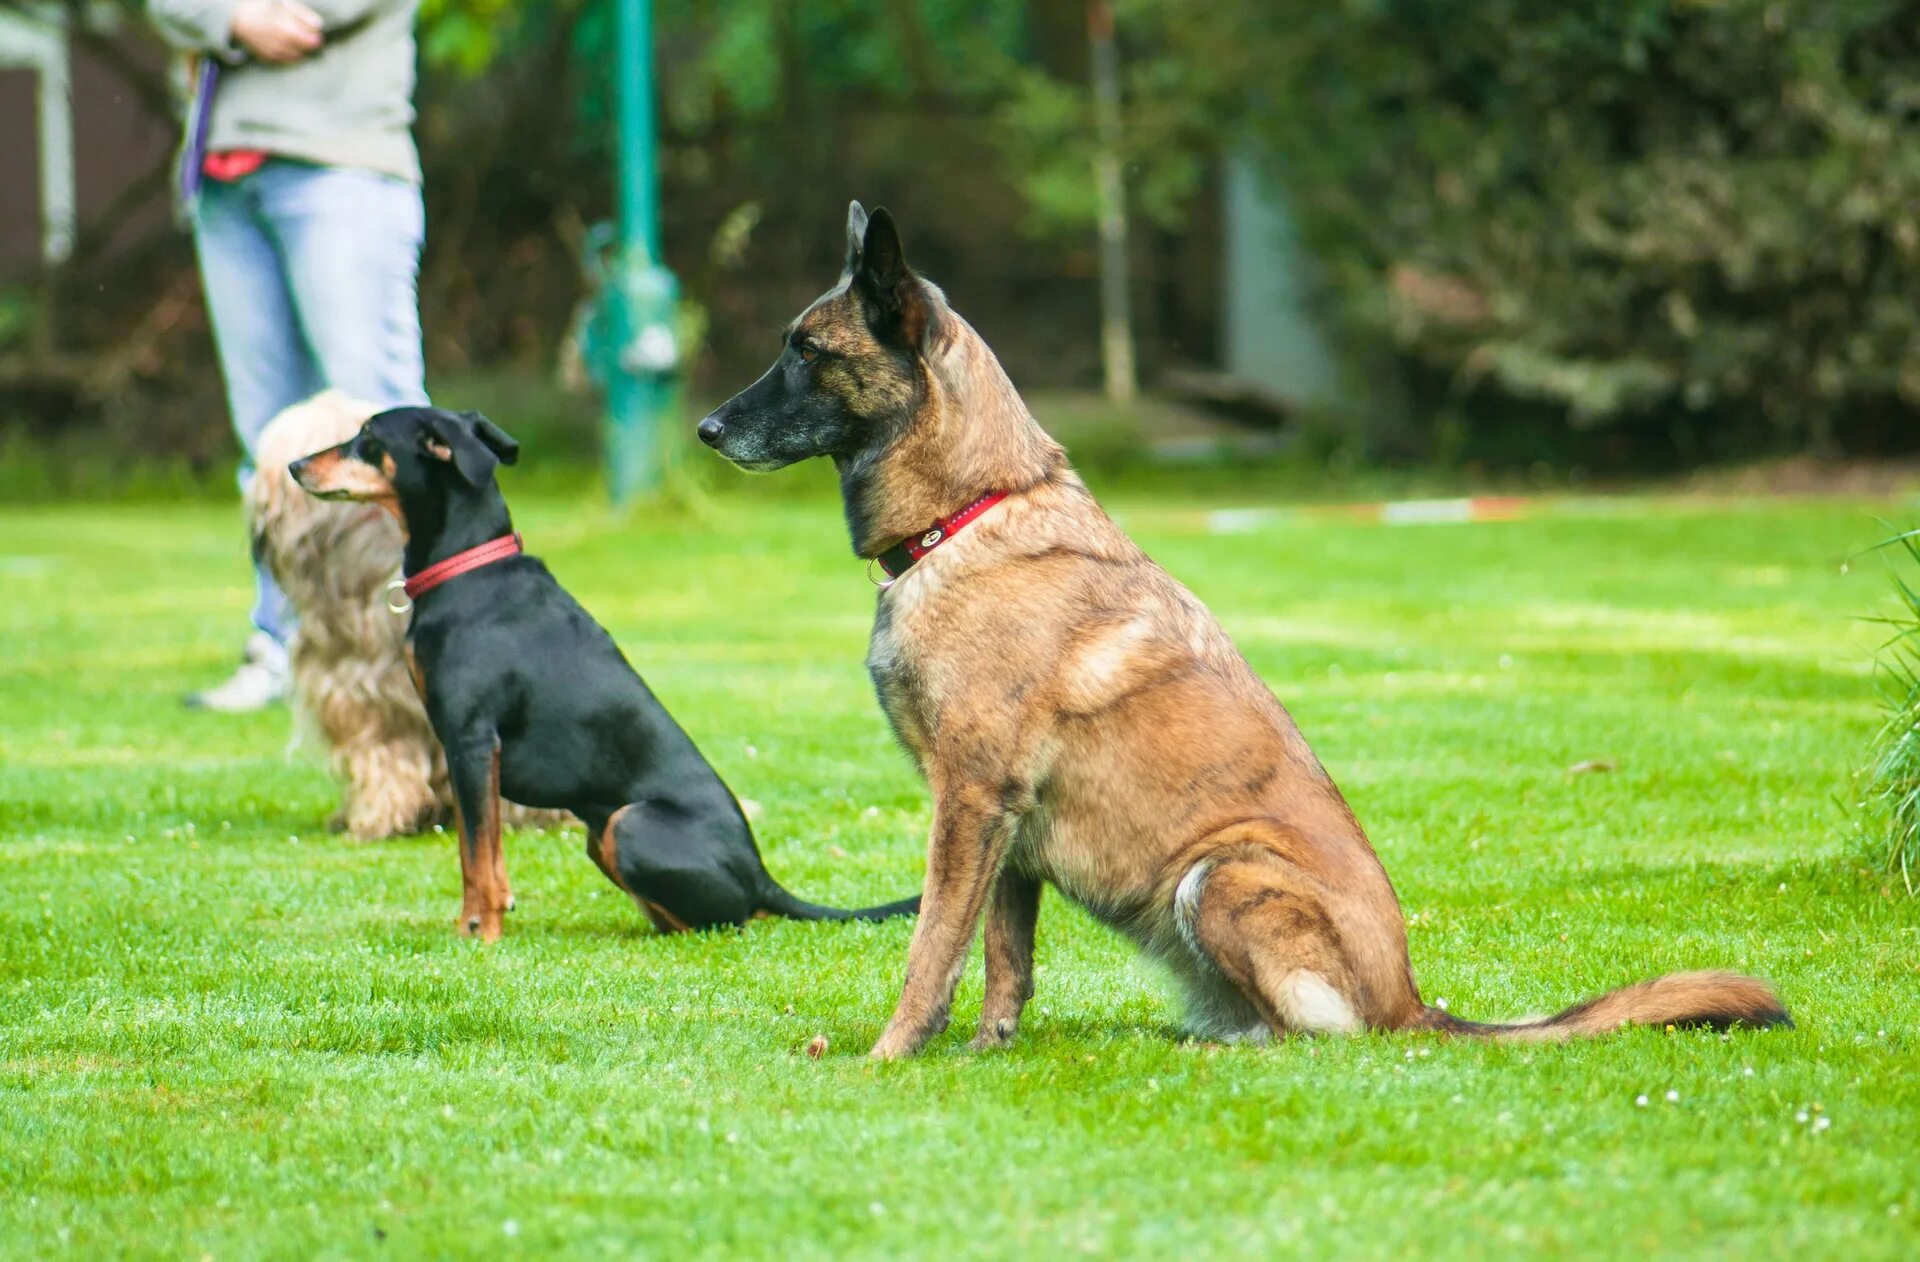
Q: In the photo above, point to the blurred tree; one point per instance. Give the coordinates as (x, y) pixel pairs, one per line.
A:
(1696, 216)
(1589, 228)
(467, 35)
(1691, 217)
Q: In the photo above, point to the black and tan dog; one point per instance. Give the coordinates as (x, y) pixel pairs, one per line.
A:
(1080, 717)
(532, 699)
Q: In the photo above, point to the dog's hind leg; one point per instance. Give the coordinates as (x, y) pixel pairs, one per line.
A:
(1011, 917)
(655, 854)
(1264, 925)
(485, 896)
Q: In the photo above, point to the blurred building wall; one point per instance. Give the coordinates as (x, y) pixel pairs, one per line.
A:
(74, 138)
(1267, 336)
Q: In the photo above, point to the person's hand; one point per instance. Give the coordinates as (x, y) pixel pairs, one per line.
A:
(276, 30)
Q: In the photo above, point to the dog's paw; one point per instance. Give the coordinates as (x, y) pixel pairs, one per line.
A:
(484, 925)
(894, 1045)
(997, 1034)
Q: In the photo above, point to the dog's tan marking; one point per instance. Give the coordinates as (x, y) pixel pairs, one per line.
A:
(334, 474)
(485, 895)
(418, 676)
(606, 853)
(663, 920)
(390, 502)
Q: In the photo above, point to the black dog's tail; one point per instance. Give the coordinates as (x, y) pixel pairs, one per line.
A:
(784, 902)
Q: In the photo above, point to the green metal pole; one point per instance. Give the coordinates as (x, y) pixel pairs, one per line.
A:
(640, 349)
(639, 184)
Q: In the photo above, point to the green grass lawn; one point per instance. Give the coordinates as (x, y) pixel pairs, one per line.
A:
(224, 1032)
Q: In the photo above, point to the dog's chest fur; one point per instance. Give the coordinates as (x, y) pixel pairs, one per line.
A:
(896, 660)
(1053, 678)
(958, 662)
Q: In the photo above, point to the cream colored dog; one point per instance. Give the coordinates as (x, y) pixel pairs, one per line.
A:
(350, 680)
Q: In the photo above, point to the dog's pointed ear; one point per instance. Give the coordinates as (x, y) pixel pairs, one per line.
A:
(883, 263)
(453, 439)
(899, 297)
(856, 234)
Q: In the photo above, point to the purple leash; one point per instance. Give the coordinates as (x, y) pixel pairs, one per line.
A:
(193, 156)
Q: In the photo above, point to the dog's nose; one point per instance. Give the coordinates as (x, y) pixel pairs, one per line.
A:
(710, 430)
(297, 467)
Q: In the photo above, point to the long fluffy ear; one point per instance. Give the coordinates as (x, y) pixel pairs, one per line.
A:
(882, 274)
(856, 234)
(450, 437)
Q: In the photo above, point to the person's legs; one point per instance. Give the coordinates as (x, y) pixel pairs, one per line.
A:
(267, 368)
(351, 243)
(311, 281)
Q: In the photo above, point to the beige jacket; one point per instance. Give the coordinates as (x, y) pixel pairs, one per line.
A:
(350, 104)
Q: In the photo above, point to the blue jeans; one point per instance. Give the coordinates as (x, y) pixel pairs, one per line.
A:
(310, 275)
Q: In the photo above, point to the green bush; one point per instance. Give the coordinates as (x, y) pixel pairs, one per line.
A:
(1891, 782)
(1694, 217)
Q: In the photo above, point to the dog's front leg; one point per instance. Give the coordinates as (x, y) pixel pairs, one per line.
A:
(971, 825)
(484, 895)
(1011, 917)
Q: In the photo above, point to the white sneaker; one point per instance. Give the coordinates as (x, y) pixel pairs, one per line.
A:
(260, 681)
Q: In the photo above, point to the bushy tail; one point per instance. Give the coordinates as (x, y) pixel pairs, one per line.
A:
(1716, 1000)
(783, 902)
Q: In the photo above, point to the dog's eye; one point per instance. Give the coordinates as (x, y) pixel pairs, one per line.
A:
(808, 352)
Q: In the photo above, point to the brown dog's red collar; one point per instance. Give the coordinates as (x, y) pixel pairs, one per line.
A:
(459, 563)
(900, 558)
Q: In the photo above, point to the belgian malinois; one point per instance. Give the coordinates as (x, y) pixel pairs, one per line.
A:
(1080, 717)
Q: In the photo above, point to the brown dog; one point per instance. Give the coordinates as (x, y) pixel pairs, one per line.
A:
(1082, 719)
(350, 679)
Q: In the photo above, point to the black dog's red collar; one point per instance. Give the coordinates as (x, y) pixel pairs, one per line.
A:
(462, 562)
(900, 558)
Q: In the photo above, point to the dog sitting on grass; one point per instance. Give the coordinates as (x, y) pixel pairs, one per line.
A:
(1081, 718)
(350, 682)
(533, 700)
